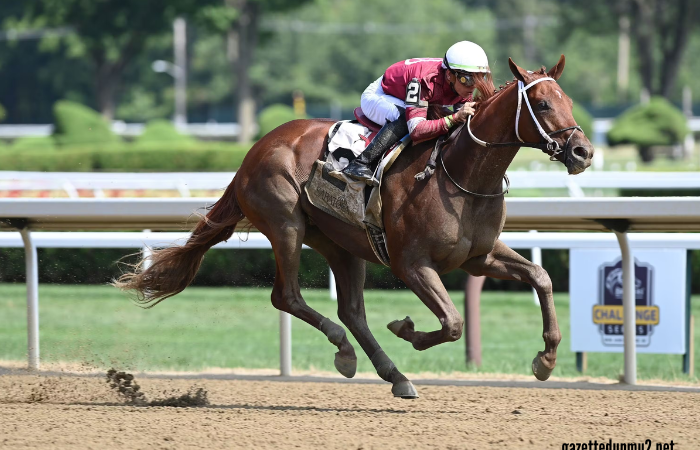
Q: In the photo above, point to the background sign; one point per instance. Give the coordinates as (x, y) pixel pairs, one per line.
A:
(596, 300)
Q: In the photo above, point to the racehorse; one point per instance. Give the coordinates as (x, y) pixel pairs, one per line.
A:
(451, 220)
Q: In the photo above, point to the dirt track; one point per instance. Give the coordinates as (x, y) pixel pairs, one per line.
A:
(82, 412)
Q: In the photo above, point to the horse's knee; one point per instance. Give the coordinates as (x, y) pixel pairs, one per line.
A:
(540, 279)
(452, 329)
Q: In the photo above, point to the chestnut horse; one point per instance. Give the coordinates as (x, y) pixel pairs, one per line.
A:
(432, 226)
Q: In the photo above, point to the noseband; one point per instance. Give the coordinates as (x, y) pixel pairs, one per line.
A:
(549, 145)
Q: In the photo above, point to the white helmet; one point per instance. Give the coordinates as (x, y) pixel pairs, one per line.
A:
(466, 56)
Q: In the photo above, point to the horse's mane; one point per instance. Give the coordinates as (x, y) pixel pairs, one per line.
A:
(490, 95)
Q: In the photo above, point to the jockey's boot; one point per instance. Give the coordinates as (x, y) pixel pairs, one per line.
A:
(390, 133)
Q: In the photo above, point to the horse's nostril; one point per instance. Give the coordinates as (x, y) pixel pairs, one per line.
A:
(581, 152)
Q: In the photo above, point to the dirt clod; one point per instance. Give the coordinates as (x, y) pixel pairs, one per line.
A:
(126, 387)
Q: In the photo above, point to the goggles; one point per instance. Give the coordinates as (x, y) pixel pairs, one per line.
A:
(467, 79)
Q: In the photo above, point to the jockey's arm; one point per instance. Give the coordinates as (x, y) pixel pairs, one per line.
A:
(422, 129)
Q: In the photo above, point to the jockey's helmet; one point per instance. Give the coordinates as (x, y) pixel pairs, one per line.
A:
(465, 58)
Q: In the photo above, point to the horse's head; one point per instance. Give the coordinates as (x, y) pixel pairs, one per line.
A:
(552, 108)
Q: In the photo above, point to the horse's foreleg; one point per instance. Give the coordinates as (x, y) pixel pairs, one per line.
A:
(506, 264)
(426, 284)
(349, 274)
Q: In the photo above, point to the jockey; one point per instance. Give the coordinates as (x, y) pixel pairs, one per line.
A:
(399, 99)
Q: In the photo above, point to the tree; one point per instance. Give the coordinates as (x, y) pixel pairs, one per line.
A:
(660, 29)
(111, 32)
(243, 31)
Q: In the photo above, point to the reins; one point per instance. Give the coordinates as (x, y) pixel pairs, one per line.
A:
(550, 145)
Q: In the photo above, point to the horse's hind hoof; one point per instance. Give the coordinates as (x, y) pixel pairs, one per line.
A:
(346, 367)
(540, 371)
(404, 389)
(396, 326)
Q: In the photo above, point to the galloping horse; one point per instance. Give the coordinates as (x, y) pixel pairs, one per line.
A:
(449, 221)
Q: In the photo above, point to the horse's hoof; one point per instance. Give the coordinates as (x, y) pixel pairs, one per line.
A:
(540, 371)
(396, 326)
(347, 367)
(404, 389)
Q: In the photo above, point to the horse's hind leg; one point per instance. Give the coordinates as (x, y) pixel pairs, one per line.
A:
(349, 274)
(506, 264)
(286, 231)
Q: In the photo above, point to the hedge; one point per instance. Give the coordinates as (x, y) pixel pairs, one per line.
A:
(161, 130)
(242, 268)
(584, 119)
(274, 116)
(152, 157)
(77, 124)
(657, 122)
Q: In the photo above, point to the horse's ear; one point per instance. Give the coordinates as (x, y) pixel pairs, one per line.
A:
(519, 73)
(555, 72)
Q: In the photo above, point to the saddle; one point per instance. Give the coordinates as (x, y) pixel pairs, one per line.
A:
(349, 200)
(364, 120)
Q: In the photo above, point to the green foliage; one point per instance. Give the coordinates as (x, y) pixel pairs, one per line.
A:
(124, 157)
(3, 113)
(33, 143)
(78, 124)
(655, 123)
(274, 116)
(161, 130)
(583, 119)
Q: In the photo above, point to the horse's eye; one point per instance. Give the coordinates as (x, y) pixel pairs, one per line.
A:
(543, 105)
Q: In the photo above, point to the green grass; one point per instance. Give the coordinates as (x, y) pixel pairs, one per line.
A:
(224, 327)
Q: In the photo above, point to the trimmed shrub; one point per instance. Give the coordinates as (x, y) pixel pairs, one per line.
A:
(657, 123)
(584, 120)
(206, 156)
(78, 124)
(161, 130)
(33, 143)
(274, 116)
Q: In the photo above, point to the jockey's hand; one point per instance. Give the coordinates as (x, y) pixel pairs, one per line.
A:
(465, 111)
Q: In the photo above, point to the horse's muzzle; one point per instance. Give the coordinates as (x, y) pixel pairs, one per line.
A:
(579, 159)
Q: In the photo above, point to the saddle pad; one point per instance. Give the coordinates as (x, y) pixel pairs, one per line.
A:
(346, 142)
(336, 194)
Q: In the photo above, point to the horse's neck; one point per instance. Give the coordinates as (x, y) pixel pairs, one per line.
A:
(481, 169)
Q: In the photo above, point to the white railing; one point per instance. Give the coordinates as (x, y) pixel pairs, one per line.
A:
(186, 182)
(619, 214)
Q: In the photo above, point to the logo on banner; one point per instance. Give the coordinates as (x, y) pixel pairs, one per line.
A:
(608, 313)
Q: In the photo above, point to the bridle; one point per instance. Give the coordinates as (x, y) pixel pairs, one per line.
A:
(548, 146)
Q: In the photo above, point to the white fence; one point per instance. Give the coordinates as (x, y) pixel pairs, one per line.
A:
(620, 214)
(185, 182)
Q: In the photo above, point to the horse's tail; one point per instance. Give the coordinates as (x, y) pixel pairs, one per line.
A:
(169, 271)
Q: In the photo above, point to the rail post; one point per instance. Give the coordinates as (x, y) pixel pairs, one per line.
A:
(472, 319)
(285, 344)
(31, 262)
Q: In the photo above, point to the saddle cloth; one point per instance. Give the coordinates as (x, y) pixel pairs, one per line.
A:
(344, 198)
(348, 138)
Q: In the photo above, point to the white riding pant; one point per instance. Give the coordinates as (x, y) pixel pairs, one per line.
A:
(378, 106)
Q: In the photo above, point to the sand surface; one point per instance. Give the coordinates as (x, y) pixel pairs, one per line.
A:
(84, 412)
